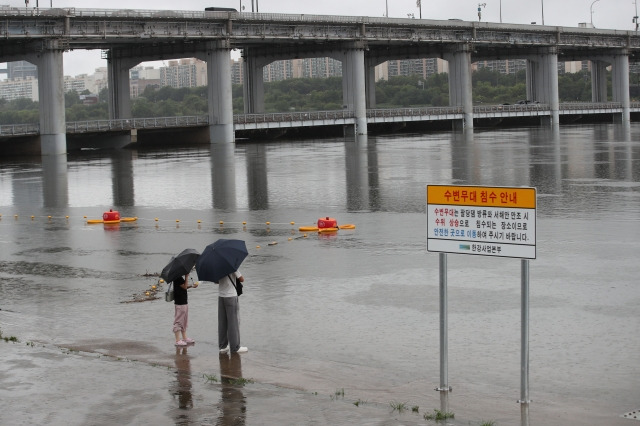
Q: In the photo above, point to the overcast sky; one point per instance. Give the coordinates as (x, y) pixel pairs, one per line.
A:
(608, 14)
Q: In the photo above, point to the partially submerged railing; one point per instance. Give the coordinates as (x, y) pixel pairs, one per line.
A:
(305, 116)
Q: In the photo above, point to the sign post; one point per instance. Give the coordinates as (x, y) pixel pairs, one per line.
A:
(486, 221)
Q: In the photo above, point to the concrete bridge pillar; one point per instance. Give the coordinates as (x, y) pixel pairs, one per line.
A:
(542, 81)
(598, 81)
(370, 82)
(53, 137)
(353, 85)
(219, 92)
(460, 87)
(253, 87)
(620, 84)
(118, 81)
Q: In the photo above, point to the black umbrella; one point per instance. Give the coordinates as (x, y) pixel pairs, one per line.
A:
(180, 265)
(220, 259)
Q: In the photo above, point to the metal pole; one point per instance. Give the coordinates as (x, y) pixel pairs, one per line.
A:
(524, 358)
(501, 11)
(252, 10)
(420, 3)
(444, 349)
(386, 3)
(542, 2)
(591, 11)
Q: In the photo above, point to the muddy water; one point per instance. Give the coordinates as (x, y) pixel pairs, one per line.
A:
(338, 326)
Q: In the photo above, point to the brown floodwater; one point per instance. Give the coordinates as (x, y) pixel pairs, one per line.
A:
(340, 327)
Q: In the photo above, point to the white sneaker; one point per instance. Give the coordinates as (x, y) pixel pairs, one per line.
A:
(242, 349)
(225, 350)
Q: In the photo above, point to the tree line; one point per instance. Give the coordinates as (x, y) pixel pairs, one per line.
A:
(311, 94)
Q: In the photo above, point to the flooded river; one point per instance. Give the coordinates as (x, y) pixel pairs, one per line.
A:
(340, 327)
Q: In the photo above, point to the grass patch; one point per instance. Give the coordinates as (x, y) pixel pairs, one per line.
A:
(415, 409)
(210, 378)
(439, 415)
(398, 406)
(488, 423)
(240, 381)
(8, 339)
(339, 393)
(359, 403)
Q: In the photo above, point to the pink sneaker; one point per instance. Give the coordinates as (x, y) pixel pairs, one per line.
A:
(189, 340)
(181, 343)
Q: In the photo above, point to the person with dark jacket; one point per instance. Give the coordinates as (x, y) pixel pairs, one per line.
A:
(181, 317)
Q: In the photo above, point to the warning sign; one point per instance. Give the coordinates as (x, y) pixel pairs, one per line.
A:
(488, 221)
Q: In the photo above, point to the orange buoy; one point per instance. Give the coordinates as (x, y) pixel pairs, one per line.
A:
(111, 216)
(327, 222)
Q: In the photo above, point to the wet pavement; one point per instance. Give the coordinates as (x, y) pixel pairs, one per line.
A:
(110, 386)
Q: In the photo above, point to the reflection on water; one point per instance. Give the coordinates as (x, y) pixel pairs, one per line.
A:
(182, 387)
(378, 174)
(356, 307)
(122, 177)
(55, 187)
(257, 181)
(223, 177)
(233, 404)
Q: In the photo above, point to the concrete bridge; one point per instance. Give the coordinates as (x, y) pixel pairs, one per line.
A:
(129, 37)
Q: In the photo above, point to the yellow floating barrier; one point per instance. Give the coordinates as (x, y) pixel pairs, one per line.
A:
(321, 230)
(108, 222)
(331, 229)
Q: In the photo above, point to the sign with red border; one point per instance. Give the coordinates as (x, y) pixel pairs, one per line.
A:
(481, 220)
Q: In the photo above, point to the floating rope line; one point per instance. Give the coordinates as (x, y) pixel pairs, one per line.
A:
(158, 222)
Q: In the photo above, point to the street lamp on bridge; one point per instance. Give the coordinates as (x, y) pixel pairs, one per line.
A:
(480, 6)
(591, 10)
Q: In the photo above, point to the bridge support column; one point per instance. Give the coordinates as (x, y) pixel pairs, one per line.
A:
(620, 84)
(119, 90)
(542, 81)
(253, 87)
(53, 137)
(370, 83)
(219, 93)
(460, 87)
(598, 81)
(353, 85)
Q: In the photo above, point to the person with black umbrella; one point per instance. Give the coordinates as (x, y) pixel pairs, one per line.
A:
(229, 314)
(177, 274)
(219, 263)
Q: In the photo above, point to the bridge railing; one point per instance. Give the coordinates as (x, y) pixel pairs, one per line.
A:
(572, 106)
(292, 116)
(19, 129)
(136, 123)
(510, 108)
(406, 112)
